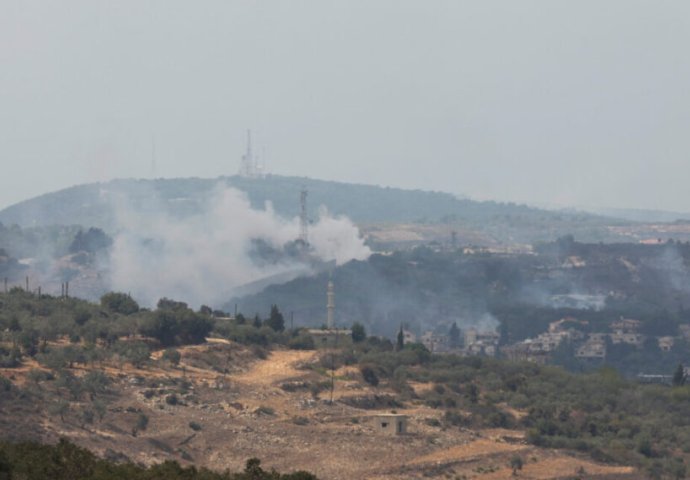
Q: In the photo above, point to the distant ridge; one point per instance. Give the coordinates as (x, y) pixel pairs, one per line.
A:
(640, 215)
(91, 204)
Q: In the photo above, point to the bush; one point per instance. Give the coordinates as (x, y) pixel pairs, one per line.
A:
(369, 375)
(37, 375)
(172, 355)
(137, 353)
(303, 341)
(300, 421)
(141, 425)
(264, 410)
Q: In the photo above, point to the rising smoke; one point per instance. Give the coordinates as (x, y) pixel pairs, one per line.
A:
(203, 258)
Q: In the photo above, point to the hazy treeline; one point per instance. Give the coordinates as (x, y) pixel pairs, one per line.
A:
(66, 461)
(427, 289)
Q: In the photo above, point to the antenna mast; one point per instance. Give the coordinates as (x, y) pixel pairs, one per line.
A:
(303, 223)
(247, 165)
(153, 155)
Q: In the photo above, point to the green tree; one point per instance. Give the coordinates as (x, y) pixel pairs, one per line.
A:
(275, 319)
(60, 407)
(87, 416)
(119, 303)
(369, 375)
(401, 339)
(141, 425)
(454, 335)
(193, 327)
(137, 353)
(679, 376)
(172, 355)
(100, 408)
(96, 382)
(161, 325)
(359, 334)
(516, 463)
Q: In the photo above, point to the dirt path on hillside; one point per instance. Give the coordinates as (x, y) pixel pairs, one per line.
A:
(280, 365)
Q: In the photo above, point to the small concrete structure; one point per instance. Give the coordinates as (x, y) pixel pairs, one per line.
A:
(390, 423)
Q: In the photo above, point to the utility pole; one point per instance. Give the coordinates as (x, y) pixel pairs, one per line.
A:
(332, 377)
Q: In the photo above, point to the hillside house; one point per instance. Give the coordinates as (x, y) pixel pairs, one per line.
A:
(625, 325)
(390, 423)
(434, 342)
(481, 343)
(665, 343)
(594, 348)
(409, 337)
(565, 324)
(525, 352)
(630, 338)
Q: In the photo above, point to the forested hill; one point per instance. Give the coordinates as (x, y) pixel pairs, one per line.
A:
(92, 204)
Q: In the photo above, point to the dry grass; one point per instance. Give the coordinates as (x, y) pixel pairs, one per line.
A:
(335, 442)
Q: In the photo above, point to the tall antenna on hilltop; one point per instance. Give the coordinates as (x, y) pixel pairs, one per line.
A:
(247, 165)
(303, 223)
(153, 156)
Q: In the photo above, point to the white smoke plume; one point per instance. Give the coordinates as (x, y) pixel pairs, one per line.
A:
(202, 258)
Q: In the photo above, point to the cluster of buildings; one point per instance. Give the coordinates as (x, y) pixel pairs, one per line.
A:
(587, 346)
(590, 346)
(470, 342)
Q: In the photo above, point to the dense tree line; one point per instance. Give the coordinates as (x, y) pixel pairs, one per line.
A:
(117, 328)
(66, 461)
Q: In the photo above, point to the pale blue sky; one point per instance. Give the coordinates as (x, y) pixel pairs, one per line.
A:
(557, 102)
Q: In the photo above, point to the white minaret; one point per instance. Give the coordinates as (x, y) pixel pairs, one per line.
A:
(330, 322)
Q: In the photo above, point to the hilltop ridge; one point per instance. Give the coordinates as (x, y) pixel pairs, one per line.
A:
(91, 204)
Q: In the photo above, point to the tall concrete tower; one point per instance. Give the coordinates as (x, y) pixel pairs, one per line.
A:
(330, 321)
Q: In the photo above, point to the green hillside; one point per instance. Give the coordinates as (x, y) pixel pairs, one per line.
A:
(92, 204)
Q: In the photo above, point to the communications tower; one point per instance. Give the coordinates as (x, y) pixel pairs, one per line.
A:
(303, 221)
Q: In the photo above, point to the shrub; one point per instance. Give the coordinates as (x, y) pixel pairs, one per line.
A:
(172, 355)
(369, 375)
(303, 341)
(300, 421)
(264, 410)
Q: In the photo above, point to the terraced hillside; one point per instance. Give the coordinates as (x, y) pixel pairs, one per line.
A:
(269, 408)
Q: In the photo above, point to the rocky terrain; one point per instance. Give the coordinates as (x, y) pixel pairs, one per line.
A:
(223, 403)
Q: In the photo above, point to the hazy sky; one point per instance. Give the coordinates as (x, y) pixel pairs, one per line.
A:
(560, 102)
